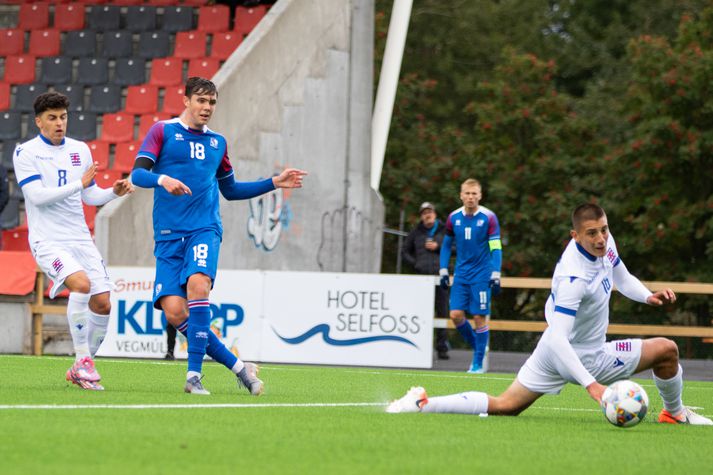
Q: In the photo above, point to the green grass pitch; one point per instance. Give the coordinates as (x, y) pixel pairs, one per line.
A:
(316, 420)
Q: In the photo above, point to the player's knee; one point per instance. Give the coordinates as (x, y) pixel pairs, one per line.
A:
(101, 307)
(457, 318)
(668, 351)
(504, 406)
(79, 283)
(199, 286)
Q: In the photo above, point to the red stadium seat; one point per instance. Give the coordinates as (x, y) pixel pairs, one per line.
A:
(194, 3)
(15, 240)
(173, 100)
(69, 17)
(90, 214)
(100, 153)
(162, 3)
(18, 271)
(166, 72)
(190, 44)
(214, 18)
(4, 96)
(247, 18)
(34, 16)
(12, 42)
(124, 156)
(107, 178)
(203, 67)
(20, 69)
(224, 44)
(44, 43)
(141, 99)
(117, 128)
(126, 3)
(147, 120)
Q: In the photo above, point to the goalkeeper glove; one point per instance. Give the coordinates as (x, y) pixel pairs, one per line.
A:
(445, 279)
(495, 283)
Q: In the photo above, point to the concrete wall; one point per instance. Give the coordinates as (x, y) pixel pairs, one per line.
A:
(296, 93)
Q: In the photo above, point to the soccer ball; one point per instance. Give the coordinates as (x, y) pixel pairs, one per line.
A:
(625, 403)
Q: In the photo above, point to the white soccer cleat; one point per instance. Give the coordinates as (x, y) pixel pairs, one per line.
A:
(194, 386)
(248, 379)
(413, 401)
(686, 417)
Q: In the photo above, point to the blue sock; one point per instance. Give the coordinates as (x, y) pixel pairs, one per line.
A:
(466, 331)
(198, 330)
(482, 335)
(215, 349)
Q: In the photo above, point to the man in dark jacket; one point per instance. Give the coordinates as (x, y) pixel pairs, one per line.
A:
(422, 250)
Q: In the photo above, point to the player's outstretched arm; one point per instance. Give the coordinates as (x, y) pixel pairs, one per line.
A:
(142, 176)
(243, 190)
(661, 297)
(289, 178)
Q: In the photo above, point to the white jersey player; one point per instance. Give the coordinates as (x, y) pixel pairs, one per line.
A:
(56, 174)
(573, 347)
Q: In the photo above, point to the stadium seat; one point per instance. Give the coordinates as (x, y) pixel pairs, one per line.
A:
(10, 125)
(124, 156)
(57, 70)
(18, 276)
(117, 128)
(15, 240)
(31, 131)
(126, 3)
(69, 17)
(118, 44)
(203, 67)
(106, 98)
(141, 18)
(130, 71)
(166, 72)
(224, 44)
(147, 120)
(104, 18)
(190, 44)
(214, 18)
(90, 215)
(177, 18)
(82, 125)
(74, 93)
(93, 71)
(25, 95)
(162, 3)
(20, 69)
(4, 96)
(100, 153)
(34, 16)
(44, 43)
(246, 18)
(78, 44)
(8, 147)
(141, 99)
(154, 44)
(194, 3)
(107, 178)
(12, 42)
(10, 216)
(173, 100)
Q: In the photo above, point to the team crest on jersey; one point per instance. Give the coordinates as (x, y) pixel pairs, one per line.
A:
(76, 161)
(480, 222)
(179, 136)
(57, 265)
(214, 142)
(457, 222)
(158, 288)
(611, 255)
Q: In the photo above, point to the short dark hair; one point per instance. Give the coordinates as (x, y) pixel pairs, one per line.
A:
(198, 85)
(586, 212)
(50, 100)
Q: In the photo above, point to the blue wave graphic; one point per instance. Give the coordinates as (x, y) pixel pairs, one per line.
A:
(324, 329)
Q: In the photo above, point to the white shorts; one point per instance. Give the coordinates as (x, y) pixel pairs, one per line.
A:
(613, 361)
(60, 260)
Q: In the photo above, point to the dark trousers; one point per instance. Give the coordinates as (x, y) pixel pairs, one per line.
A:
(170, 338)
(441, 310)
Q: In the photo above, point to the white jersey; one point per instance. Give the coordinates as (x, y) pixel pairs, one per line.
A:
(581, 288)
(56, 166)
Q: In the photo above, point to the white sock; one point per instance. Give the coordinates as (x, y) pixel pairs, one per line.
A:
(78, 317)
(238, 367)
(97, 331)
(464, 403)
(670, 391)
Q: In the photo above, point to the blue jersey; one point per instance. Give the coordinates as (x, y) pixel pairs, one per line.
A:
(476, 236)
(197, 158)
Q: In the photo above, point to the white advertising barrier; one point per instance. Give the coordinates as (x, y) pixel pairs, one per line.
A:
(289, 317)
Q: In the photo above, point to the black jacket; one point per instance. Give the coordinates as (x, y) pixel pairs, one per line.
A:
(414, 252)
(4, 188)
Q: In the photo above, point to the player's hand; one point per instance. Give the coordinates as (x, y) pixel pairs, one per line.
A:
(596, 391)
(661, 297)
(494, 283)
(445, 279)
(89, 175)
(122, 187)
(175, 187)
(289, 178)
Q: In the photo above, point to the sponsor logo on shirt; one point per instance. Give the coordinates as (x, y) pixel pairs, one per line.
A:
(214, 142)
(179, 136)
(17, 151)
(40, 157)
(76, 161)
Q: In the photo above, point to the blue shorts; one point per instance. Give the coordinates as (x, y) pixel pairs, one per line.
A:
(178, 259)
(471, 298)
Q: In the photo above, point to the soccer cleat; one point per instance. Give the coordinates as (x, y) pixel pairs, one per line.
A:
(686, 417)
(194, 386)
(475, 368)
(83, 370)
(413, 401)
(248, 379)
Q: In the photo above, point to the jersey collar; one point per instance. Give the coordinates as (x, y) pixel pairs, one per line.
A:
(49, 142)
(195, 131)
(585, 253)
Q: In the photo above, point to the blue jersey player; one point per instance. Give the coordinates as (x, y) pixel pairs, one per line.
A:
(187, 164)
(476, 232)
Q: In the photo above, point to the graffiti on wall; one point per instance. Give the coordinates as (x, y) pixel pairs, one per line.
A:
(270, 215)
